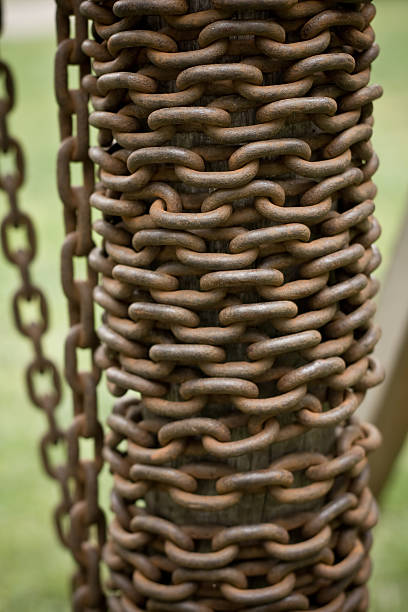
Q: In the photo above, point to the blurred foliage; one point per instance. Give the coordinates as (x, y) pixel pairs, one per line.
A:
(34, 568)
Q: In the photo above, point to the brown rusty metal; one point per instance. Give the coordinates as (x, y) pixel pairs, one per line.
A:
(236, 267)
(87, 519)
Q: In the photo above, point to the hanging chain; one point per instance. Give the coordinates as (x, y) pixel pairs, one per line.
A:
(42, 377)
(87, 521)
(79, 519)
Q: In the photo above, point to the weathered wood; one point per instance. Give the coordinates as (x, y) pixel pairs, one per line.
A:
(387, 405)
(392, 419)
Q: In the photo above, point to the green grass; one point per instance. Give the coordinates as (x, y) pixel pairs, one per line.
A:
(34, 569)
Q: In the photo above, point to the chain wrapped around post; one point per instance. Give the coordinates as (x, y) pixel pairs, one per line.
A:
(236, 280)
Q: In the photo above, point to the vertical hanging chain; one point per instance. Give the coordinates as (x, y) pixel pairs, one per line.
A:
(87, 521)
(42, 378)
(41, 375)
(79, 520)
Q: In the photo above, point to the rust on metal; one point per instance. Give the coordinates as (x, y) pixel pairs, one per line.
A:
(234, 264)
(86, 533)
(235, 268)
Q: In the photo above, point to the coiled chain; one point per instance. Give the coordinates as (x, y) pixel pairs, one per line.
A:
(236, 280)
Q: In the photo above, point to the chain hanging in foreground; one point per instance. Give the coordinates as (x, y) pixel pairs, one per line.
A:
(236, 278)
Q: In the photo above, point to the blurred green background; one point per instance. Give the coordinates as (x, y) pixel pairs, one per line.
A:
(33, 568)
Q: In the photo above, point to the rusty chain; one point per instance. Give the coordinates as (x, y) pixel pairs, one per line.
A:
(42, 377)
(236, 279)
(87, 520)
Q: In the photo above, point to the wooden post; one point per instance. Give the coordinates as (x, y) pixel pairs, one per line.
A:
(387, 405)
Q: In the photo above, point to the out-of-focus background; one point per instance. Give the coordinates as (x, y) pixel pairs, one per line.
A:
(34, 569)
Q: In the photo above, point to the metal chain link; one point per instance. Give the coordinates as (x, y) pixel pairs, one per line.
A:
(87, 521)
(79, 520)
(302, 242)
